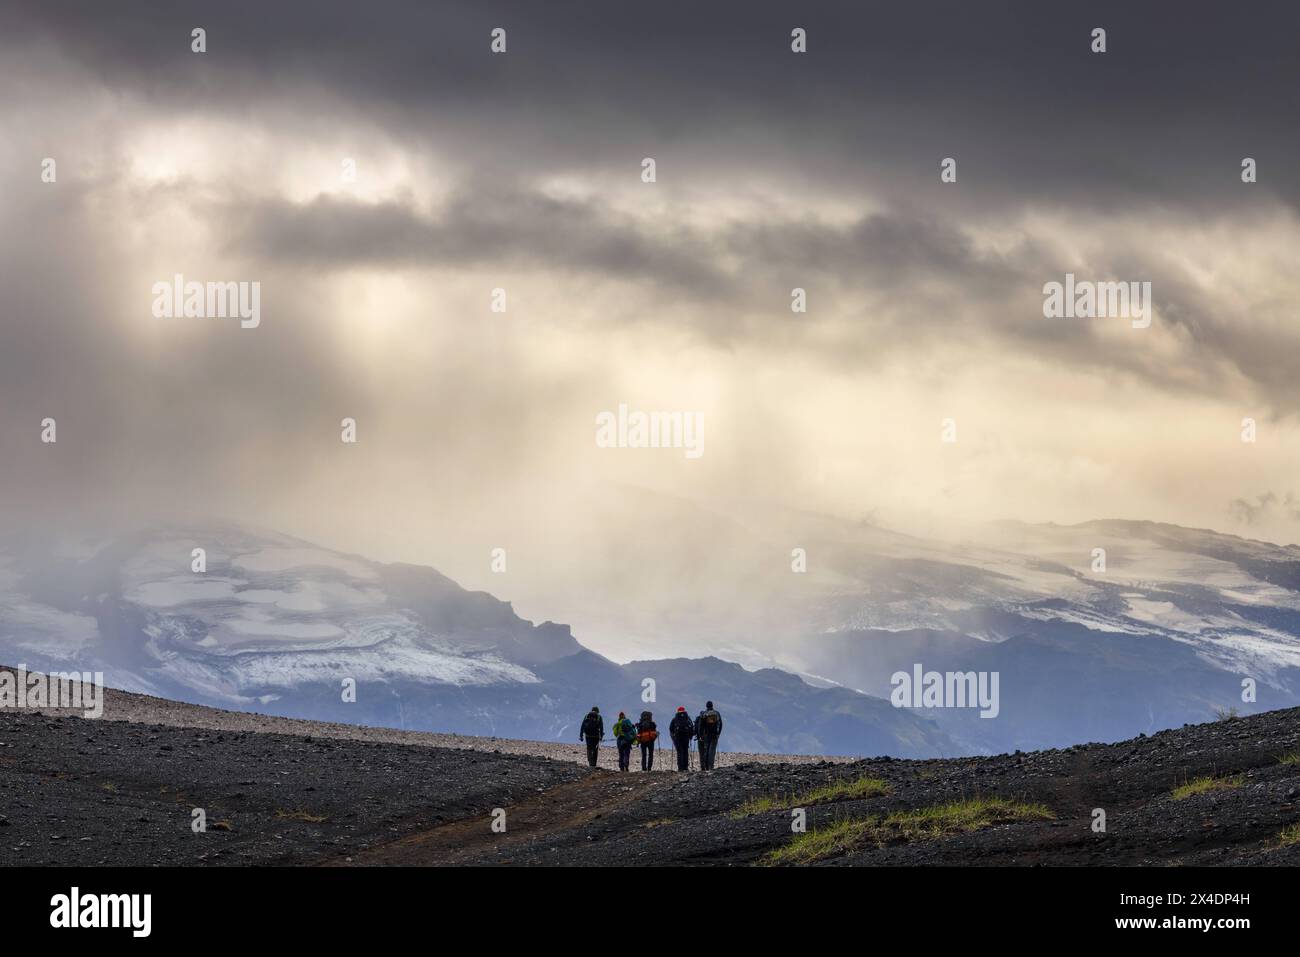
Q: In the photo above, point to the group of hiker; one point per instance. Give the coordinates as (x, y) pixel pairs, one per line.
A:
(706, 728)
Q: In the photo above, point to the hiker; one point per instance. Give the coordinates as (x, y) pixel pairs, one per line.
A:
(708, 728)
(681, 731)
(593, 731)
(624, 734)
(647, 732)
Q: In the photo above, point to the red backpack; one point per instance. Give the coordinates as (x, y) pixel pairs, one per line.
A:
(648, 735)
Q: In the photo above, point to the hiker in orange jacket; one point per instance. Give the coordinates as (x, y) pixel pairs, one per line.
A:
(647, 733)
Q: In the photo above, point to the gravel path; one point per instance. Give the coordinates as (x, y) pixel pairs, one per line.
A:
(144, 709)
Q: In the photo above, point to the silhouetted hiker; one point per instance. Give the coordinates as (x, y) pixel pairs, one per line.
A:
(647, 732)
(681, 730)
(625, 734)
(593, 730)
(708, 728)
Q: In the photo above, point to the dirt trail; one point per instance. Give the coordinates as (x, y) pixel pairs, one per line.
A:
(470, 840)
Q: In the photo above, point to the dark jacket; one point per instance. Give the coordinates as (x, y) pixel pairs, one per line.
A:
(681, 727)
(593, 726)
(701, 731)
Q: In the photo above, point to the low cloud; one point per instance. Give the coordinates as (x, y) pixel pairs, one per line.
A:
(1266, 509)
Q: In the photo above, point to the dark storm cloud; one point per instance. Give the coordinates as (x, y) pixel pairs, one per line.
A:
(1151, 132)
(748, 262)
(925, 280)
(482, 223)
(1011, 89)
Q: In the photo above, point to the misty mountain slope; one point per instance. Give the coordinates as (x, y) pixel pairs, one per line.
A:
(1058, 685)
(1163, 633)
(278, 625)
(268, 610)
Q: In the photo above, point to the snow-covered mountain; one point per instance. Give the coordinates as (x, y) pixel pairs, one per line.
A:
(275, 624)
(268, 611)
(1098, 631)
(1236, 601)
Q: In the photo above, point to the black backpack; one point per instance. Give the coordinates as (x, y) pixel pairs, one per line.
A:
(591, 725)
(709, 722)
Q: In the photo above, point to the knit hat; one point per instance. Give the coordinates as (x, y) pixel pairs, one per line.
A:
(682, 710)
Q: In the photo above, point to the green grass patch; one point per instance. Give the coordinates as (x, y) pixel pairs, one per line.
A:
(1290, 835)
(1205, 785)
(849, 789)
(927, 823)
(830, 841)
(1292, 758)
(958, 817)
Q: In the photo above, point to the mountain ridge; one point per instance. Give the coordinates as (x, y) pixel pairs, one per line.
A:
(277, 624)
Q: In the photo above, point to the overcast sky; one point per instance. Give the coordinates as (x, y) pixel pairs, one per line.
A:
(522, 171)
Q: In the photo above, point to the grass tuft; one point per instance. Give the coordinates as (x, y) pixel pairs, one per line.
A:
(837, 838)
(1290, 835)
(1205, 785)
(1292, 758)
(927, 823)
(849, 789)
(958, 817)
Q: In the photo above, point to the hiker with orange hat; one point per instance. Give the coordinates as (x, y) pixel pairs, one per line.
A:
(681, 729)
